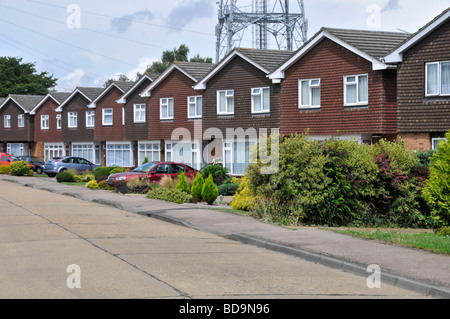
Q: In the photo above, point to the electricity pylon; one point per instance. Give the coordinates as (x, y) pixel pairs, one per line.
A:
(287, 28)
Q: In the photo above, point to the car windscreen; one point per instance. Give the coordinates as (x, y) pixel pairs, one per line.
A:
(145, 168)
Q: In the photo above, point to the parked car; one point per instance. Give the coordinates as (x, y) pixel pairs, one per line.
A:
(37, 162)
(154, 171)
(7, 159)
(62, 164)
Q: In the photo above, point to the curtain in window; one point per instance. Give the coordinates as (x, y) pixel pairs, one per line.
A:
(351, 94)
(432, 79)
(315, 92)
(363, 94)
(266, 99)
(222, 102)
(445, 78)
(305, 93)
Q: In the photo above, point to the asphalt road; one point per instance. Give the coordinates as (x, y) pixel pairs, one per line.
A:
(60, 247)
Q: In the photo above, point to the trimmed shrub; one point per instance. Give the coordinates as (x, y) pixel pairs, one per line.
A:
(19, 168)
(5, 169)
(65, 177)
(92, 185)
(169, 194)
(209, 191)
(218, 172)
(182, 184)
(104, 185)
(228, 189)
(197, 186)
(116, 170)
(101, 171)
(243, 199)
(437, 189)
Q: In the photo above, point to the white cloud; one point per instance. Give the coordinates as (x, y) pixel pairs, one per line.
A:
(144, 62)
(72, 80)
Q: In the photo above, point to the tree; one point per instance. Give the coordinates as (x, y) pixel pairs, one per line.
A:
(170, 56)
(210, 191)
(17, 77)
(121, 78)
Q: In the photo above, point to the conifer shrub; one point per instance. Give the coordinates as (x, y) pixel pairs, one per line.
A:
(19, 168)
(243, 199)
(209, 190)
(182, 184)
(197, 186)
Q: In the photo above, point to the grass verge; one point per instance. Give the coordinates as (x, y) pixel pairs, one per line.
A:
(427, 241)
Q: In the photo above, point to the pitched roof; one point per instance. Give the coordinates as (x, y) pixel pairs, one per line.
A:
(26, 102)
(90, 93)
(123, 86)
(147, 76)
(371, 45)
(396, 54)
(375, 43)
(58, 97)
(263, 59)
(193, 70)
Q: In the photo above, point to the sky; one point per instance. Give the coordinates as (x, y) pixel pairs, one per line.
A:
(86, 42)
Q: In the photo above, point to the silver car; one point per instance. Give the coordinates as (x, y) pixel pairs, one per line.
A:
(62, 164)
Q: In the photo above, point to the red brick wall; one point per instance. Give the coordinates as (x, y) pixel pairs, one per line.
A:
(417, 141)
(416, 112)
(15, 134)
(331, 62)
(116, 131)
(52, 134)
(177, 86)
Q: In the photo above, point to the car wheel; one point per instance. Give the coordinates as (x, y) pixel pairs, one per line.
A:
(51, 175)
(39, 171)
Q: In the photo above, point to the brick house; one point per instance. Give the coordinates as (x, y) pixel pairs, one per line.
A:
(239, 103)
(78, 124)
(17, 124)
(423, 84)
(48, 127)
(337, 84)
(175, 107)
(136, 119)
(109, 129)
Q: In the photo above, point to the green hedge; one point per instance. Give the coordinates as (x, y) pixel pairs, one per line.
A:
(170, 195)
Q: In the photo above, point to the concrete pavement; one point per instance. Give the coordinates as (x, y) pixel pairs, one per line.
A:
(412, 269)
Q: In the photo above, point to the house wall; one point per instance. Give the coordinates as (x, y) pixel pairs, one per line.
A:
(331, 62)
(113, 132)
(179, 87)
(15, 133)
(240, 76)
(52, 134)
(416, 112)
(136, 131)
(78, 104)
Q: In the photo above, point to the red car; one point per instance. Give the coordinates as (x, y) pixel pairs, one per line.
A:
(154, 172)
(7, 159)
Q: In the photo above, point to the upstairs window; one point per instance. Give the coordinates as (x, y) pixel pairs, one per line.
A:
(356, 90)
(194, 107)
(58, 122)
(225, 102)
(73, 119)
(139, 113)
(20, 120)
(90, 119)
(7, 121)
(261, 100)
(166, 108)
(309, 93)
(107, 117)
(45, 125)
(437, 79)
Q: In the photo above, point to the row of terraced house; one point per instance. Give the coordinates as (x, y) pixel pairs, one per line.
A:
(365, 85)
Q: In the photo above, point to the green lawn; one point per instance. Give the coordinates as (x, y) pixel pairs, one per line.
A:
(427, 241)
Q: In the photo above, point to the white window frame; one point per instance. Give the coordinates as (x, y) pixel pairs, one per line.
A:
(89, 151)
(72, 120)
(45, 122)
(105, 116)
(165, 103)
(148, 149)
(313, 84)
(52, 150)
(194, 152)
(346, 84)
(7, 121)
(139, 113)
(123, 116)
(197, 103)
(21, 121)
(435, 142)
(229, 95)
(229, 146)
(58, 122)
(439, 79)
(122, 150)
(265, 105)
(90, 119)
